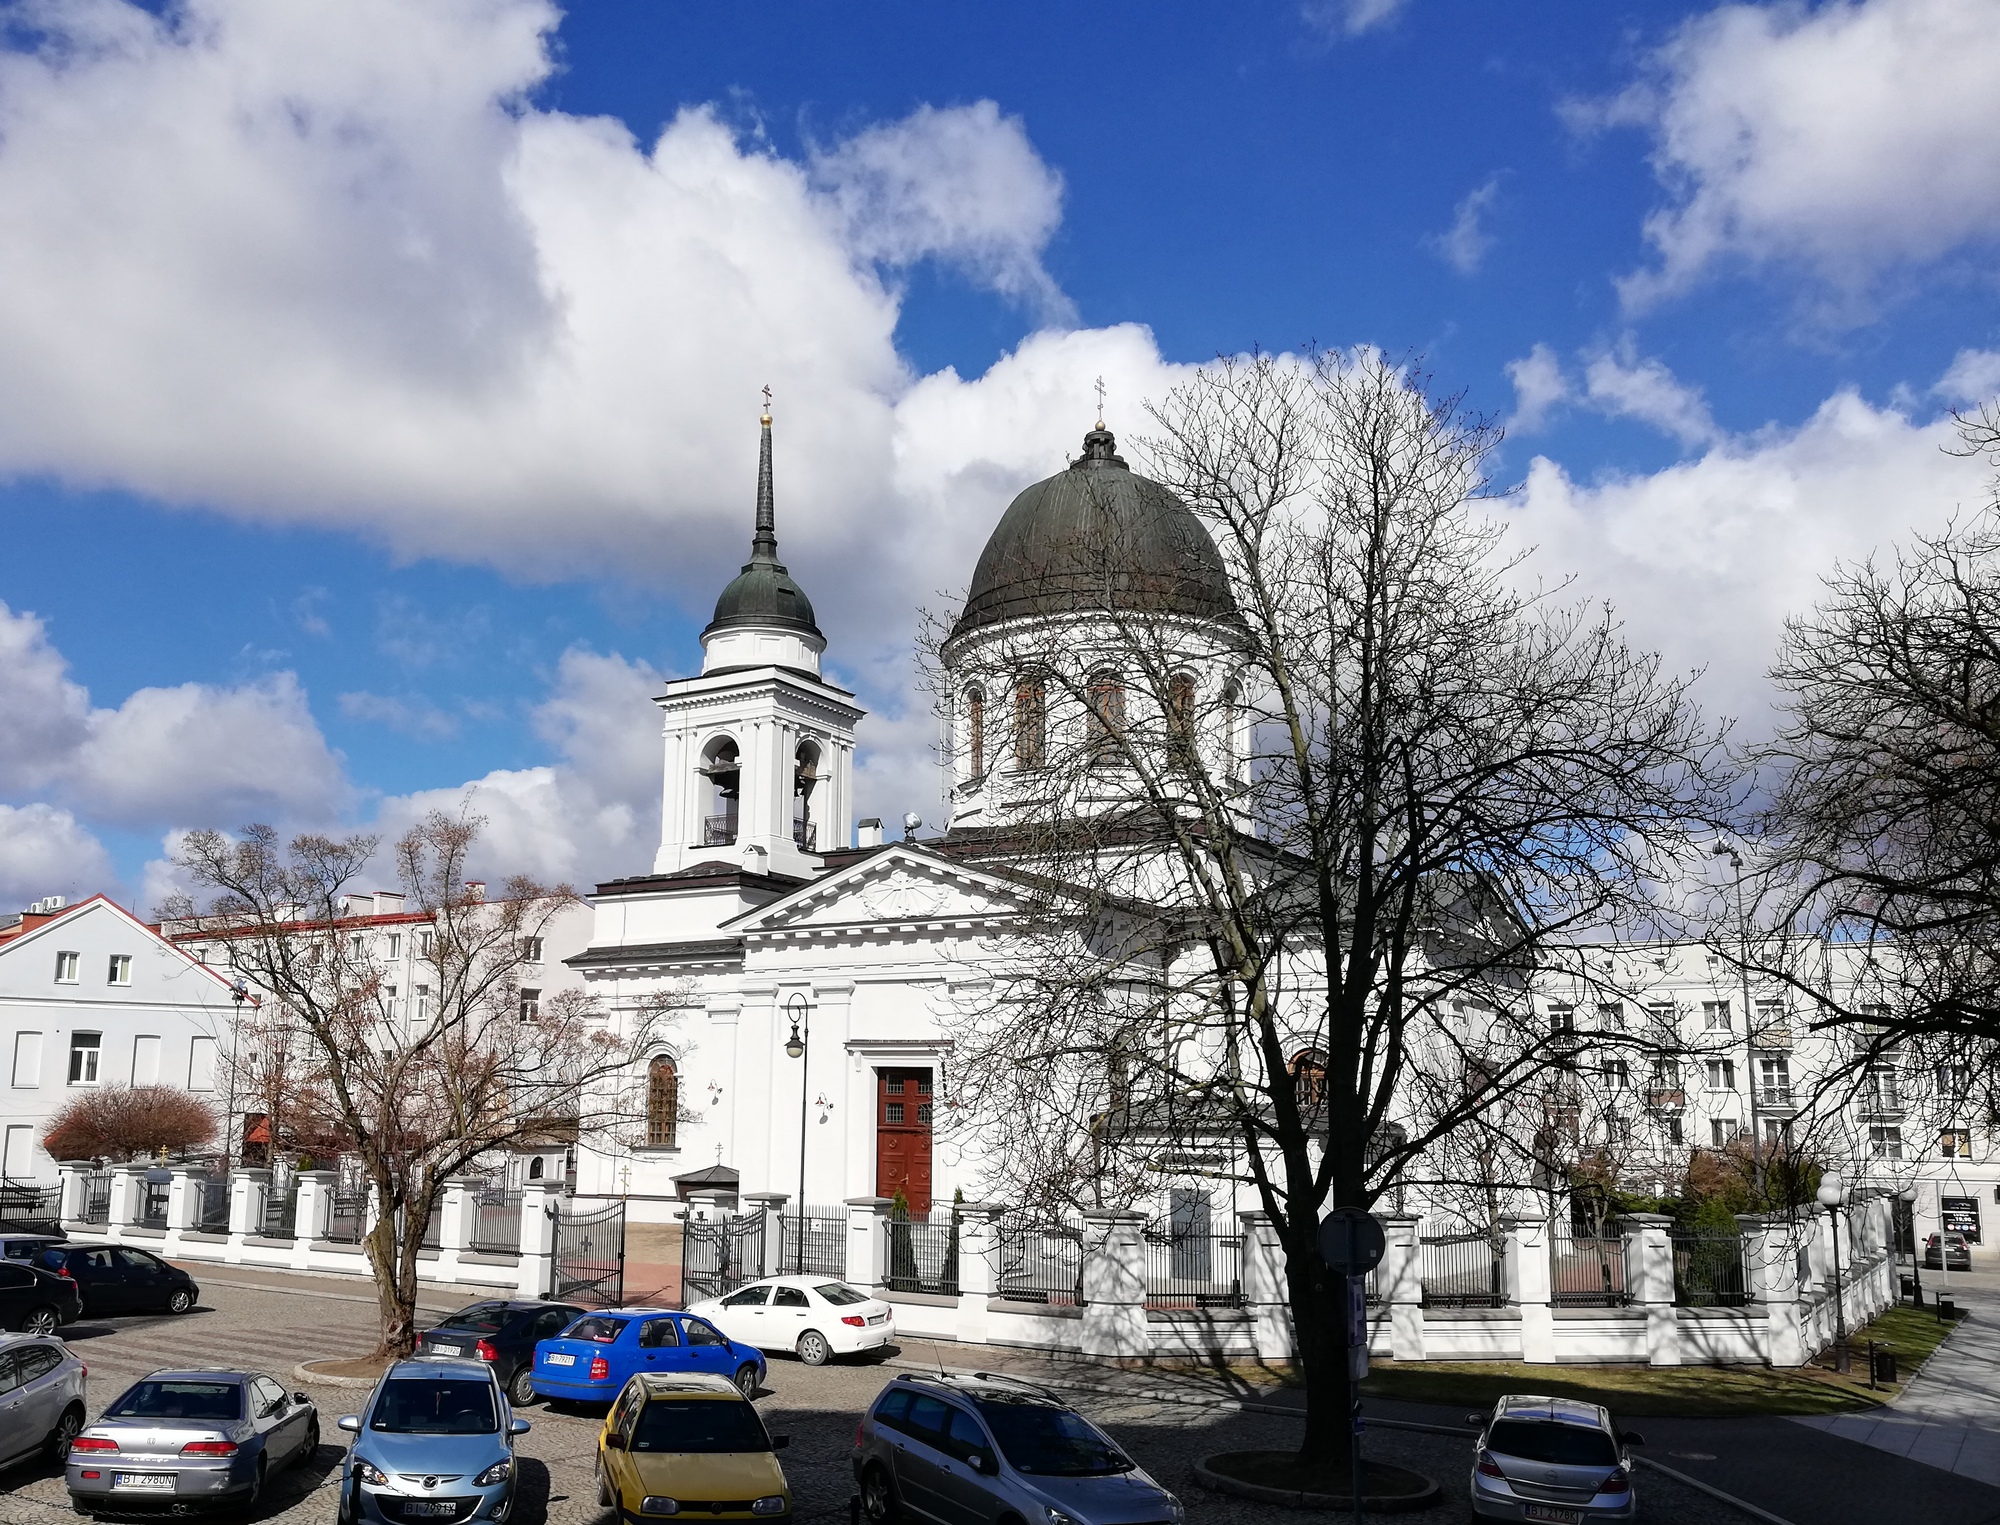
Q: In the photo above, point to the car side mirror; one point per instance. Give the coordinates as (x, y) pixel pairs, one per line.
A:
(1476, 1420)
(779, 1442)
(518, 1427)
(300, 1398)
(1633, 1438)
(349, 1422)
(982, 1463)
(614, 1441)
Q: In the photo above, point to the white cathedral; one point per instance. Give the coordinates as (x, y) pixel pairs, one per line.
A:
(815, 964)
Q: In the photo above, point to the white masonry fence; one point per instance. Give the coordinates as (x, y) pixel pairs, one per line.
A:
(1110, 1284)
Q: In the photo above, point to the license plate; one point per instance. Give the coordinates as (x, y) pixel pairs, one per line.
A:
(420, 1510)
(1554, 1516)
(558, 1359)
(879, 1318)
(144, 1482)
(448, 1350)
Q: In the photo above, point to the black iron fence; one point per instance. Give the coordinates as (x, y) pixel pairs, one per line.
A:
(1462, 1270)
(496, 1222)
(211, 1214)
(1191, 1267)
(29, 1209)
(1041, 1262)
(1586, 1270)
(281, 1211)
(921, 1256)
(153, 1201)
(1708, 1270)
(590, 1254)
(347, 1218)
(718, 1255)
(97, 1197)
(815, 1242)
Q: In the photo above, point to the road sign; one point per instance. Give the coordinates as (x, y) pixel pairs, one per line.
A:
(1357, 1327)
(1351, 1242)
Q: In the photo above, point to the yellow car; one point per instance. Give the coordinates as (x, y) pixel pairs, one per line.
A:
(689, 1443)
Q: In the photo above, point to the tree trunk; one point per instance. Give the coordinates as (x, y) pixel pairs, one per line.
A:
(1318, 1299)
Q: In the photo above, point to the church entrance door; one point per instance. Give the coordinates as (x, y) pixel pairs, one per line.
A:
(903, 1136)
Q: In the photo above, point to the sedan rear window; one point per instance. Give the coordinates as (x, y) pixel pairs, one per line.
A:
(1051, 1442)
(699, 1425)
(1554, 1445)
(484, 1318)
(435, 1406)
(180, 1400)
(602, 1330)
(840, 1296)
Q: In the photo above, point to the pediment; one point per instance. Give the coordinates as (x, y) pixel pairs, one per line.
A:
(895, 888)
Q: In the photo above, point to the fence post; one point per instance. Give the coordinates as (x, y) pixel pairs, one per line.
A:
(1771, 1266)
(458, 1215)
(1114, 1283)
(865, 1217)
(772, 1205)
(312, 1217)
(1528, 1279)
(1399, 1282)
(128, 1198)
(75, 1200)
(1264, 1289)
(538, 1241)
(1649, 1279)
(248, 1188)
(978, 1266)
(183, 1202)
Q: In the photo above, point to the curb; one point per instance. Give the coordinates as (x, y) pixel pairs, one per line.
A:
(304, 1372)
(1373, 1503)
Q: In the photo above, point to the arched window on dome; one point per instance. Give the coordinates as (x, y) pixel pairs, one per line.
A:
(805, 777)
(975, 733)
(1180, 707)
(1309, 1080)
(663, 1098)
(1031, 723)
(722, 773)
(1104, 718)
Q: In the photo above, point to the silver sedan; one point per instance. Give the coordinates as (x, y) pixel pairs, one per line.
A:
(191, 1438)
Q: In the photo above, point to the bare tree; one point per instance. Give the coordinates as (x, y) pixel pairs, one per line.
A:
(417, 1087)
(1290, 873)
(128, 1123)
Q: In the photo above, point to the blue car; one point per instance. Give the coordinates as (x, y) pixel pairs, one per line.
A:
(593, 1359)
(436, 1442)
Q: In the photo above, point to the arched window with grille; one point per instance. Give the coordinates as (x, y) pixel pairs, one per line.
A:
(1309, 1079)
(975, 733)
(663, 1086)
(1180, 707)
(1105, 718)
(1031, 723)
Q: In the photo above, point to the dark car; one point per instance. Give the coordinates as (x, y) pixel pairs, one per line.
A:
(1947, 1252)
(503, 1335)
(36, 1301)
(116, 1278)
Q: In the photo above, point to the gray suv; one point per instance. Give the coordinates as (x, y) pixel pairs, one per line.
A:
(991, 1450)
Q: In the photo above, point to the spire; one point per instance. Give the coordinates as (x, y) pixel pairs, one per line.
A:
(764, 544)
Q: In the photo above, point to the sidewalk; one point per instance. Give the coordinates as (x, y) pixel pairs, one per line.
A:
(1949, 1417)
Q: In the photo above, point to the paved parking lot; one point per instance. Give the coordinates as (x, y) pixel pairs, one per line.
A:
(818, 1408)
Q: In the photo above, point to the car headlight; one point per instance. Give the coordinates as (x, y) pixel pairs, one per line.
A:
(773, 1503)
(1057, 1517)
(368, 1472)
(652, 1503)
(497, 1473)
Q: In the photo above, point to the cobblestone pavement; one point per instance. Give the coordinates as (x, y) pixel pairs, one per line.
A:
(818, 1408)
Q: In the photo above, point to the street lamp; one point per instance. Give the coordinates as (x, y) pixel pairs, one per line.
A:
(1724, 850)
(798, 1046)
(1832, 1192)
(1908, 1197)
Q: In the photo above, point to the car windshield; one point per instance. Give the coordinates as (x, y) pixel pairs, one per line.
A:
(1556, 1445)
(435, 1406)
(1051, 1442)
(840, 1296)
(483, 1318)
(180, 1400)
(699, 1425)
(602, 1330)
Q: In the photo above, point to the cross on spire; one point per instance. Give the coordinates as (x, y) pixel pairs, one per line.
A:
(767, 403)
(1100, 402)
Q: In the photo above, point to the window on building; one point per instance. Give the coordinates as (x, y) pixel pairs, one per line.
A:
(536, 1167)
(391, 1007)
(1611, 1015)
(201, 1064)
(395, 945)
(1715, 1017)
(1770, 1018)
(1777, 1132)
(1104, 718)
(146, 1060)
(1666, 1074)
(1955, 1143)
(1031, 723)
(1562, 1019)
(1309, 1077)
(1617, 1074)
(1722, 1074)
(1180, 707)
(1885, 1143)
(1675, 1135)
(662, 1103)
(531, 1005)
(420, 1011)
(357, 945)
(1618, 1129)
(86, 1058)
(120, 972)
(531, 950)
(1953, 1081)
(1721, 1130)
(1880, 1091)
(975, 732)
(1774, 1080)
(27, 1060)
(66, 967)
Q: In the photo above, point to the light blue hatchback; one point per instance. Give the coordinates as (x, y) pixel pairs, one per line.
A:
(435, 1443)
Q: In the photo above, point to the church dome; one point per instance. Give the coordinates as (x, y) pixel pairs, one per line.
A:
(1097, 536)
(763, 594)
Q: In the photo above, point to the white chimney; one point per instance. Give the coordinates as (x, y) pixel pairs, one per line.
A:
(476, 888)
(868, 833)
(388, 903)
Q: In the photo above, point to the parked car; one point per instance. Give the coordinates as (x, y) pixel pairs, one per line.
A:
(116, 1278)
(689, 1441)
(1947, 1252)
(503, 1335)
(593, 1359)
(28, 1246)
(191, 1439)
(435, 1442)
(950, 1448)
(1551, 1459)
(36, 1301)
(815, 1316)
(41, 1397)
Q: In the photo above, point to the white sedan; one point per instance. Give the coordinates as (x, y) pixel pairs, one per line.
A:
(813, 1315)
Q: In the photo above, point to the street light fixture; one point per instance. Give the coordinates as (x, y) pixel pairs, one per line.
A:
(1908, 1197)
(1724, 850)
(1833, 1192)
(798, 1046)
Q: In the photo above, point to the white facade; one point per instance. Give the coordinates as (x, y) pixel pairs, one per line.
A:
(93, 997)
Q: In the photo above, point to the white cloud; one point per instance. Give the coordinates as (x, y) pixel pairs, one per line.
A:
(1351, 18)
(414, 716)
(47, 851)
(1464, 244)
(44, 717)
(1850, 138)
(1620, 384)
(1973, 376)
(1540, 387)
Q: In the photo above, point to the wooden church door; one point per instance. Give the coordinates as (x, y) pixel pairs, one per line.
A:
(903, 1136)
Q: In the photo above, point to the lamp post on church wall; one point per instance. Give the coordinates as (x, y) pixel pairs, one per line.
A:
(799, 1047)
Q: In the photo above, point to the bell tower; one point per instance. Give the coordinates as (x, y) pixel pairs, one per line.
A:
(759, 748)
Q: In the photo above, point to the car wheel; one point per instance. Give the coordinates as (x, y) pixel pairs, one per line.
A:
(42, 1321)
(813, 1348)
(746, 1380)
(250, 1500)
(309, 1448)
(521, 1391)
(878, 1497)
(68, 1427)
(180, 1301)
(604, 1498)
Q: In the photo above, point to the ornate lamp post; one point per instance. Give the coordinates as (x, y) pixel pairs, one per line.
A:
(1908, 1197)
(1724, 850)
(1833, 1192)
(799, 1047)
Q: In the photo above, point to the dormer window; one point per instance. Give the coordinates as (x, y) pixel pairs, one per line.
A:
(1031, 723)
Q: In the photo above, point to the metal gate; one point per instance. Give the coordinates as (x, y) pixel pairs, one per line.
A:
(590, 1255)
(719, 1255)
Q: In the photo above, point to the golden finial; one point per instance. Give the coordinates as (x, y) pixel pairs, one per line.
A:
(767, 405)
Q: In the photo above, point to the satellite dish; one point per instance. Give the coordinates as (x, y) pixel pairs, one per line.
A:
(911, 822)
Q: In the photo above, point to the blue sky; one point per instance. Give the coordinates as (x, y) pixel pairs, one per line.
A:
(378, 413)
